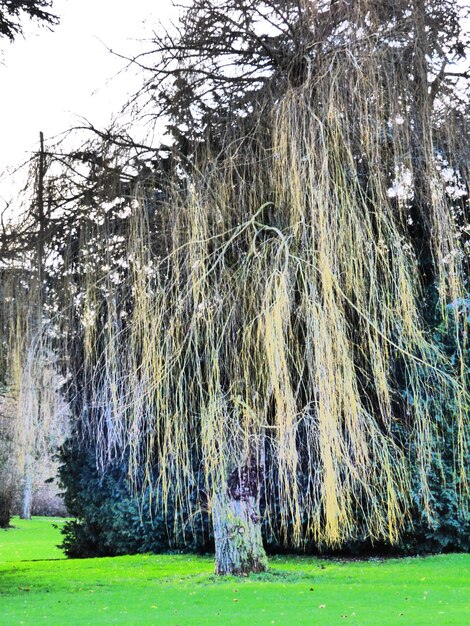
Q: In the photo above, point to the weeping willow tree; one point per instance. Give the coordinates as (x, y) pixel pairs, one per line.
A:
(29, 367)
(31, 387)
(261, 336)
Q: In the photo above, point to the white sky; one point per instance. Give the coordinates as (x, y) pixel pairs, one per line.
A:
(49, 80)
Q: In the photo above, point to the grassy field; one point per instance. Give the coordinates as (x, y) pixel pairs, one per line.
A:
(39, 586)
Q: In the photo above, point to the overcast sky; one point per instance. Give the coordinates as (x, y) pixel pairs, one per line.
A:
(48, 80)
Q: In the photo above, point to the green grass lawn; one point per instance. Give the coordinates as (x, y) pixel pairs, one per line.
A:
(39, 586)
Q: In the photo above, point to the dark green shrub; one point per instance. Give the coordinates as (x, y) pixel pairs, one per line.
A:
(448, 529)
(110, 520)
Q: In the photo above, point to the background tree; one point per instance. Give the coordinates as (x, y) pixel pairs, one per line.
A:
(13, 11)
(226, 58)
(8, 459)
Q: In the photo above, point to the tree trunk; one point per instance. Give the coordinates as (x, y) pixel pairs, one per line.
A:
(237, 526)
(27, 496)
(6, 502)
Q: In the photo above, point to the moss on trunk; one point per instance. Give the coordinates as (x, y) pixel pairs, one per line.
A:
(237, 526)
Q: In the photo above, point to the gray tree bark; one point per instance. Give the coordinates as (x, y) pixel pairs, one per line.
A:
(27, 495)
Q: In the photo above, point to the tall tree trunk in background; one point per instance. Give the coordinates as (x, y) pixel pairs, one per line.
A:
(29, 467)
(237, 524)
(5, 508)
(27, 495)
(422, 106)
